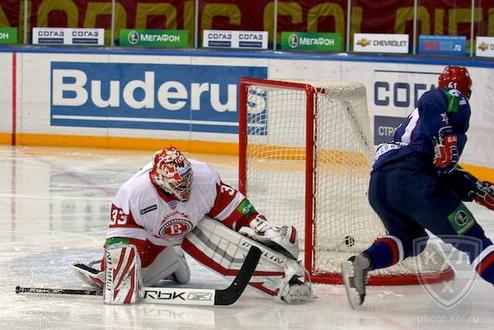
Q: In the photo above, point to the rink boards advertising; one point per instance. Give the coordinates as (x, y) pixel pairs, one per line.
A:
(136, 99)
(147, 96)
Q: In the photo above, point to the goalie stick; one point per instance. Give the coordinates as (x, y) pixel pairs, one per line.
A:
(178, 296)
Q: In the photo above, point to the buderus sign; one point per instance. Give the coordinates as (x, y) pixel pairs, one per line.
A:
(200, 98)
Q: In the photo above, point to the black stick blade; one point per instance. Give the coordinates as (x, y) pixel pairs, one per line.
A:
(231, 294)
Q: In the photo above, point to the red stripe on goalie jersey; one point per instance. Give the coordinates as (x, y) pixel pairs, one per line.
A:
(118, 219)
(228, 208)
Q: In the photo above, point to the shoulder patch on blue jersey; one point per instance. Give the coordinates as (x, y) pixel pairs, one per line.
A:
(454, 97)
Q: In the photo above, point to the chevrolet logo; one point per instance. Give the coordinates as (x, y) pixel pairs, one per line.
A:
(483, 46)
(363, 42)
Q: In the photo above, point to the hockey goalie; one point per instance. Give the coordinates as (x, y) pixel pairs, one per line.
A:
(174, 204)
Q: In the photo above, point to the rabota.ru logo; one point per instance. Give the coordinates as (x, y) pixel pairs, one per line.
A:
(147, 96)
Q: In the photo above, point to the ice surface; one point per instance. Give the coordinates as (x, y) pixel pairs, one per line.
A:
(54, 204)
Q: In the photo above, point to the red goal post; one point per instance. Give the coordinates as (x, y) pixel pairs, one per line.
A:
(305, 151)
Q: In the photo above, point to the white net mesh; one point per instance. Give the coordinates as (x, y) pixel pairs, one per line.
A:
(344, 223)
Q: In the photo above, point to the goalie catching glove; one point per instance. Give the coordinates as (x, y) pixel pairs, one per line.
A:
(280, 238)
(446, 154)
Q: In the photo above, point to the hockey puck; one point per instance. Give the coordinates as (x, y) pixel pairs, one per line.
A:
(349, 241)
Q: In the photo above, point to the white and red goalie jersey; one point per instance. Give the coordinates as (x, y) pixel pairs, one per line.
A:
(153, 220)
(144, 216)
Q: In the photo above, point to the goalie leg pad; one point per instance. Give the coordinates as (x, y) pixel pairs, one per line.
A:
(223, 250)
(123, 275)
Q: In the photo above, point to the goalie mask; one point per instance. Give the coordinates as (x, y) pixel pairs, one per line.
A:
(456, 77)
(172, 173)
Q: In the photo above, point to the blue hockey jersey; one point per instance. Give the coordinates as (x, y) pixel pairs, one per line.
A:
(436, 108)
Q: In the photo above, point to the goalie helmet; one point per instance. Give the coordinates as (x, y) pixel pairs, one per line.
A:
(172, 172)
(456, 77)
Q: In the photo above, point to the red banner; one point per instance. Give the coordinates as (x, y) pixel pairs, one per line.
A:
(440, 17)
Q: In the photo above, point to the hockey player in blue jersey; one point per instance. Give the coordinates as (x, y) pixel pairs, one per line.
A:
(416, 184)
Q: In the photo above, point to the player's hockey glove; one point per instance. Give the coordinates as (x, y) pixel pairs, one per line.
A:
(446, 150)
(483, 194)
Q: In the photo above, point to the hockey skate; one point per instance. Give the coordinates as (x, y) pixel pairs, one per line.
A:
(292, 289)
(354, 272)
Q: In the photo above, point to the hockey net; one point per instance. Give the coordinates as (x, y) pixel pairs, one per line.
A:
(305, 152)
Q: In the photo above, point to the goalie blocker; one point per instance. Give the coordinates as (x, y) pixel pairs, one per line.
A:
(223, 250)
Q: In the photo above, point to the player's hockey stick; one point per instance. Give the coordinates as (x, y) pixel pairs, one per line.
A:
(178, 296)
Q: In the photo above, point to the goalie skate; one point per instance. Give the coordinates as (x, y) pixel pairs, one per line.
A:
(354, 272)
(292, 289)
(88, 273)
